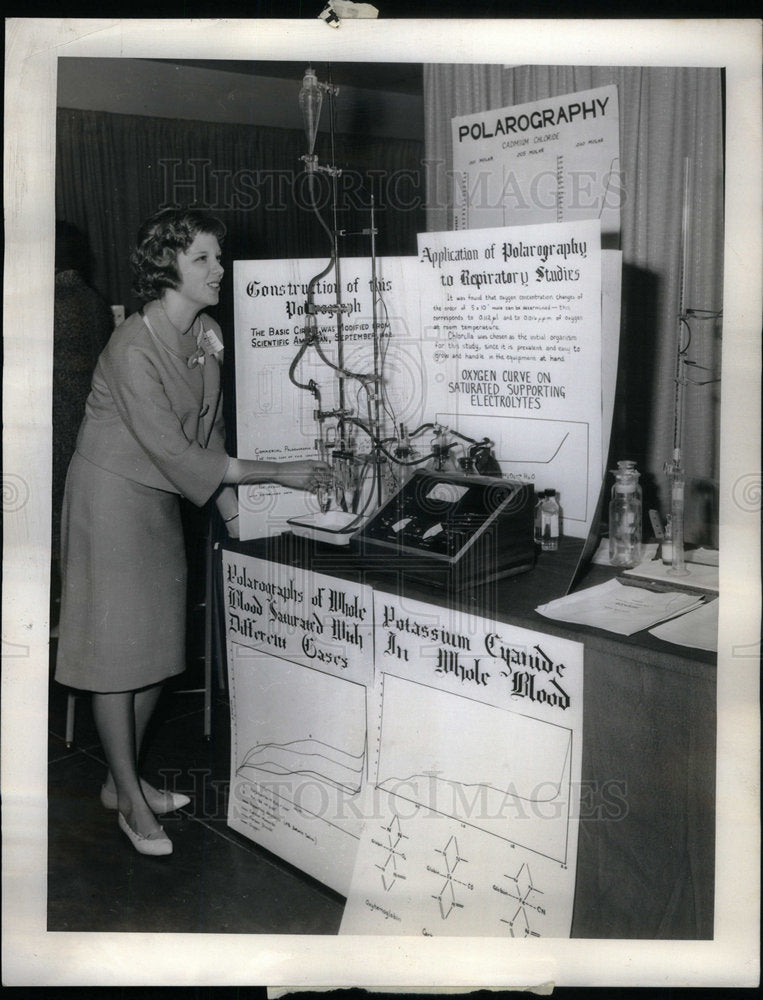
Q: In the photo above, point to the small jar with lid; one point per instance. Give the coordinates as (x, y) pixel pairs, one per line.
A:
(625, 517)
(547, 521)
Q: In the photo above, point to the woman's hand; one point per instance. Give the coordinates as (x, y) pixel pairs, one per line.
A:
(304, 475)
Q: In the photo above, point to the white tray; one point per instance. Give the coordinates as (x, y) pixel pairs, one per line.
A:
(330, 527)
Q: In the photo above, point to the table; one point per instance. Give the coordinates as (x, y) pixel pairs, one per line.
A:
(646, 849)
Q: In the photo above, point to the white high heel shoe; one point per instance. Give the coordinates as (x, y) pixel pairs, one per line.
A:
(154, 846)
(157, 801)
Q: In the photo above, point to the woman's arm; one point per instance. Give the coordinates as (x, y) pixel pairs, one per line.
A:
(300, 475)
(136, 386)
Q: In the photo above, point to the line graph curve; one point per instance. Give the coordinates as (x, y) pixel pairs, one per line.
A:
(306, 758)
(487, 767)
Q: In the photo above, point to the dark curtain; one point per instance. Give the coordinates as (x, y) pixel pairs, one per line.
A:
(113, 171)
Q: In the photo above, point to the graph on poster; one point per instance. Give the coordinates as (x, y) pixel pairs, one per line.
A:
(309, 758)
(502, 772)
(314, 729)
(539, 451)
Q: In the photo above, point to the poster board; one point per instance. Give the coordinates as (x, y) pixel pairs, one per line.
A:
(300, 665)
(332, 684)
(473, 795)
(551, 160)
(511, 328)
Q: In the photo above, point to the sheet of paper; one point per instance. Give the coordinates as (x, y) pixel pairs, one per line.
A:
(618, 608)
(550, 160)
(697, 575)
(697, 629)
(511, 340)
(473, 793)
(300, 665)
(708, 557)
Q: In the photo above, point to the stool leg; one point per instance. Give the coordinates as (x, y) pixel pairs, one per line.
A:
(71, 704)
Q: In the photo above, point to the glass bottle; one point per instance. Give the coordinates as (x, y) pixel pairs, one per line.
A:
(443, 459)
(406, 453)
(625, 517)
(547, 521)
(537, 529)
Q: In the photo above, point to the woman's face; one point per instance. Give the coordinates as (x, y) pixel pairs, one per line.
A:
(200, 271)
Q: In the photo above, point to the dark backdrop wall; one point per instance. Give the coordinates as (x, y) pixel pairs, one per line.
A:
(113, 171)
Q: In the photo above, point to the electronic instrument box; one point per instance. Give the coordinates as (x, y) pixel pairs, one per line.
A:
(452, 529)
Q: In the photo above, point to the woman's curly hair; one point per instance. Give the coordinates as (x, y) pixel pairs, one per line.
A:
(160, 238)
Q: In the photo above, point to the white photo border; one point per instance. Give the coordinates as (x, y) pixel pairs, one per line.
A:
(33, 956)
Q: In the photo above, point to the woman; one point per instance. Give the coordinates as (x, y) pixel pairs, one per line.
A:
(152, 430)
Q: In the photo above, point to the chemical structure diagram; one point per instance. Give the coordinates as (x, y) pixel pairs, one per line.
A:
(525, 893)
(392, 865)
(447, 895)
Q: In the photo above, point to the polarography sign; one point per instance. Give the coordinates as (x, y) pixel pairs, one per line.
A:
(300, 664)
(552, 160)
(473, 793)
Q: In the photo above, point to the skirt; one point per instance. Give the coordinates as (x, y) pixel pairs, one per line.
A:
(123, 599)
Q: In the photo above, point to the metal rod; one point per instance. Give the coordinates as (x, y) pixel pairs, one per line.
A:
(338, 269)
(679, 374)
(377, 373)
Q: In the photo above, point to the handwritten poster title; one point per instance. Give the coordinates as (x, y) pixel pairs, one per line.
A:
(479, 277)
(326, 625)
(475, 660)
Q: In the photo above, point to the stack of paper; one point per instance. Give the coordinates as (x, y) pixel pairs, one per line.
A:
(620, 608)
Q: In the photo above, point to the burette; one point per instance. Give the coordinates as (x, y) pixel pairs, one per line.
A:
(348, 468)
(674, 467)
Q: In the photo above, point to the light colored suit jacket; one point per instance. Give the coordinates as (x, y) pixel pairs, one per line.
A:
(151, 418)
